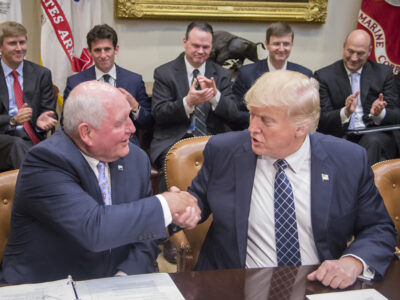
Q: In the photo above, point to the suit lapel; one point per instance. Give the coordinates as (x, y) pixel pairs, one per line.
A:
(262, 67)
(365, 83)
(120, 78)
(29, 82)
(343, 86)
(245, 165)
(116, 175)
(181, 77)
(323, 176)
(3, 87)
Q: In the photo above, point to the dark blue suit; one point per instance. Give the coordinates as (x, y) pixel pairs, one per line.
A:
(248, 74)
(60, 227)
(346, 204)
(130, 81)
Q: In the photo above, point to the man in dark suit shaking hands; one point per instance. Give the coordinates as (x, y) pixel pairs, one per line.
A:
(282, 194)
(83, 203)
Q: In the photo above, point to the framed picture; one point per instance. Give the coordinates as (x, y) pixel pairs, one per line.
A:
(220, 10)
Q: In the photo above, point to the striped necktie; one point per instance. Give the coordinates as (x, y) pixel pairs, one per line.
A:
(200, 120)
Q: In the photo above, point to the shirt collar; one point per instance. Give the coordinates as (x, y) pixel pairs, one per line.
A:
(297, 159)
(7, 70)
(190, 68)
(112, 73)
(91, 161)
(350, 72)
(272, 68)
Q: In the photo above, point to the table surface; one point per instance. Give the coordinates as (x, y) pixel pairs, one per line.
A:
(256, 283)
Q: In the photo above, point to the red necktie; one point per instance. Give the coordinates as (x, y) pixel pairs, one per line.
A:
(19, 100)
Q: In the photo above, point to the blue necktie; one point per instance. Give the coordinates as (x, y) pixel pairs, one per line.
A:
(355, 86)
(199, 116)
(286, 237)
(103, 183)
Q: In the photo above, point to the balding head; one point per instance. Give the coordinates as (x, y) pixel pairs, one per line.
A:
(356, 49)
(96, 117)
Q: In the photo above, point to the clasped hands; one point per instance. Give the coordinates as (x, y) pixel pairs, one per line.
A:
(44, 121)
(183, 206)
(207, 92)
(377, 106)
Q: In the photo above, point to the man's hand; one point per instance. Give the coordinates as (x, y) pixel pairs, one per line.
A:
(195, 97)
(45, 121)
(339, 273)
(24, 114)
(206, 83)
(378, 105)
(183, 206)
(131, 100)
(351, 103)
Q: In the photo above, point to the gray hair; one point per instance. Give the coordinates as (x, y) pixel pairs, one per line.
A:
(84, 106)
(288, 89)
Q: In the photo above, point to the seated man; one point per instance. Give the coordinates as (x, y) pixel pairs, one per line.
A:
(83, 203)
(103, 45)
(282, 195)
(192, 95)
(357, 93)
(279, 43)
(28, 104)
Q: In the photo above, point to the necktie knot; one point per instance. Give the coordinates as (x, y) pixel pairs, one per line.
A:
(196, 73)
(14, 74)
(101, 166)
(281, 164)
(106, 78)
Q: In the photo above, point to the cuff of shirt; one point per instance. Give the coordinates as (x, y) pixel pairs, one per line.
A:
(378, 119)
(120, 273)
(368, 273)
(214, 101)
(165, 208)
(343, 116)
(189, 110)
(135, 114)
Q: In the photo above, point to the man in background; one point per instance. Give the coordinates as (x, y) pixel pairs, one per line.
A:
(290, 196)
(102, 41)
(27, 104)
(358, 93)
(83, 203)
(279, 43)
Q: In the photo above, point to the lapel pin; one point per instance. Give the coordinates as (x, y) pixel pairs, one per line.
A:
(120, 167)
(325, 177)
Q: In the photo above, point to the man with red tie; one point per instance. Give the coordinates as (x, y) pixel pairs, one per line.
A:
(27, 103)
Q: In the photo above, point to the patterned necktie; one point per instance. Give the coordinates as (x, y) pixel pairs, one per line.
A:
(106, 78)
(103, 183)
(200, 121)
(19, 100)
(355, 86)
(286, 237)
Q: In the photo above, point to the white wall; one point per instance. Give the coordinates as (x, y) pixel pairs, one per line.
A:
(146, 44)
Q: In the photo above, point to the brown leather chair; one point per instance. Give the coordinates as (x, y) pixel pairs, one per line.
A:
(7, 187)
(182, 163)
(387, 180)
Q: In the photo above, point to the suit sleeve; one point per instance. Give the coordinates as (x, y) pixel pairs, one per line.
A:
(142, 255)
(329, 122)
(167, 107)
(59, 201)
(374, 234)
(145, 119)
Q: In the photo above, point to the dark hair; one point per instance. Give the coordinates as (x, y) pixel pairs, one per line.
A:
(100, 32)
(203, 26)
(279, 29)
(11, 29)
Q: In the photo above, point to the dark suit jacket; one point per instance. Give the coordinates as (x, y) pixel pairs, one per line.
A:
(130, 81)
(248, 74)
(170, 87)
(347, 204)
(334, 88)
(38, 93)
(59, 225)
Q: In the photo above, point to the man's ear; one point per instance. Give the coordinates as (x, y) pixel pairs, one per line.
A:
(302, 129)
(85, 133)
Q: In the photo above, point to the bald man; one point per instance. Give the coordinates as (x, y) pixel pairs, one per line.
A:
(357, 93)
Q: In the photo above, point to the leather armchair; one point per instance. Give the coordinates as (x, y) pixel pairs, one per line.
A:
(7, 187)
(387, 180)
(182, 163)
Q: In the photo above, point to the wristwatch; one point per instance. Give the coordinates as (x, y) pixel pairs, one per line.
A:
(13, 122)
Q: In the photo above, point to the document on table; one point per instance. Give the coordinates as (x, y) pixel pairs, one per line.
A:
(366, 294)
(147, 286)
